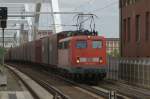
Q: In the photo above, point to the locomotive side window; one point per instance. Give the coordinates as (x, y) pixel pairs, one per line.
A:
(64, 45)
(81, 44)
(60, 45)
(97, 44)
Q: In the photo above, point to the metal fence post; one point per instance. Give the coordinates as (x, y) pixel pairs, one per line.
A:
(117, 68)
(130, 69)
(140, 73)
(124, 69)
(148, 64)
(110, 68)
(144, 76)
(147, 71)
(120, 72)
(107, 68)
(114, 68)
(134, 79)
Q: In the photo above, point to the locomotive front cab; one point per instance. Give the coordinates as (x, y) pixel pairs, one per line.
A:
(84, 56)
(89, 55)
(89, 51)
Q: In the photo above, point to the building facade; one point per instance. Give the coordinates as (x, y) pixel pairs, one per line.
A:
(113, 46)
(44, 33)
(135, 28)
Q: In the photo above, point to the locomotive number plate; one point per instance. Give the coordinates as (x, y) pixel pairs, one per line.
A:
(89, 59)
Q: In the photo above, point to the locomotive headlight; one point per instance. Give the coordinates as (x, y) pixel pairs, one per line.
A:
(78, 60)
(100, 60)
(89, 37)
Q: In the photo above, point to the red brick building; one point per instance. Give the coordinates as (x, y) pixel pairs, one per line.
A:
(135, 28)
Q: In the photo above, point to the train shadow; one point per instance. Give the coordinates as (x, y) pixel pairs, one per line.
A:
(49, 71)
(89, 83)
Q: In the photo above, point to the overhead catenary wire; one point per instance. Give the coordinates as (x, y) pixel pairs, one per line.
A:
(51, 25)
(98, 9)
(89, 18)
(102, 8)
(81, 5)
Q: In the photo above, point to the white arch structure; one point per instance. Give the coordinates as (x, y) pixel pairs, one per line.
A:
(54, 8)
(56, 17)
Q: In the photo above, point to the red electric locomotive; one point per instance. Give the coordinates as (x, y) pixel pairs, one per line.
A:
(76, 54)
(83, 56)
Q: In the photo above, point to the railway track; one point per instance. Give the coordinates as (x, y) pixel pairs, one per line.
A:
(127, 90)
(52, 83)
(62, 88)
(85, 87)
(57, 94)
(94, 89)
(67, 89)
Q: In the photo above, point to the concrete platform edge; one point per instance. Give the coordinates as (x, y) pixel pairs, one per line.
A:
(38, 90)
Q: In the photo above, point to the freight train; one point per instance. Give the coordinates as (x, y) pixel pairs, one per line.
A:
(75, 54)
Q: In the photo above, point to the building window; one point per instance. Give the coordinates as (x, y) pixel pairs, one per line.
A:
(64, 45)
(120, 4)
(129, 29)
(126, 2)
(137, 0)
(123, 3)
(124, 30)
(109, 44)
(138, 28)
(129, 2)
(147, 24)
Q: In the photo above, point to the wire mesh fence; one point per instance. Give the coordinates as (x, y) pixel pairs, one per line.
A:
(130, 70)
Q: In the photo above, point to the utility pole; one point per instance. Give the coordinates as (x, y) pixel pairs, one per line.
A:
(3, 37)
(3, 25)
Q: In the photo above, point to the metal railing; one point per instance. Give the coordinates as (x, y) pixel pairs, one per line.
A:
(130, 70)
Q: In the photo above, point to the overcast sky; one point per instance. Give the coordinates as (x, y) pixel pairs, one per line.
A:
(107, 23)
(107, 11)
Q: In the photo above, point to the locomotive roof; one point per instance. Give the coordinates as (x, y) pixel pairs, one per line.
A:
(81, 37)
(65, 34)
(79, 32)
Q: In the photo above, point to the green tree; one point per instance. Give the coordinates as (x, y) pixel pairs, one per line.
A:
(2, 53)
(114, 53)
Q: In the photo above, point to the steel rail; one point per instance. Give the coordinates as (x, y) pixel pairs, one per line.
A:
(57, 94)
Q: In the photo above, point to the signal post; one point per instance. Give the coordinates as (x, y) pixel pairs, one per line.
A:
(3, 25)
